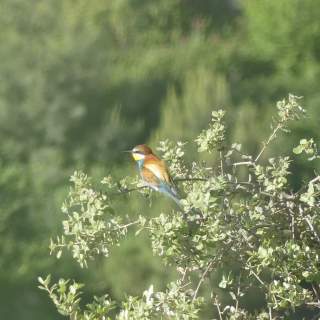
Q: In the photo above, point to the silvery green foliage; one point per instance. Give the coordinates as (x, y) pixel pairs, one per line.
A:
(173, 155)
(90, 225)
(309, 147)
(255, 223)
(289, 109)
(213, 137)
(67, 296)
(173, 303)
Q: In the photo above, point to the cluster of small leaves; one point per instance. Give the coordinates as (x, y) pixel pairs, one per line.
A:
(312, 194)
(309, 147)
(233, 310)
(197, 237)
(173, 303)
(274, 176)
(253, 221)
(235, 286)
(67, 297)
(289, 109)
(288, 293)
(292, 265)
(214, 137)
(204, 195)
(173, 154)
(91, 226)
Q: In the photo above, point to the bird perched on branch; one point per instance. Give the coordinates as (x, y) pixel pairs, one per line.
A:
(154, 171)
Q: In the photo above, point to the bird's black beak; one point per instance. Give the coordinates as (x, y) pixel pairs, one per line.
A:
(130, 151)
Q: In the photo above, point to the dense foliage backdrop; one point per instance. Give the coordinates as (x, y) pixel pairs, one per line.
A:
(81, 81)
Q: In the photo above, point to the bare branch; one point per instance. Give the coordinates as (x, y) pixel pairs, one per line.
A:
(125, 191)
(272, 136)
(189, 179)
(243, 163)
(202, 279)
(270, 313)
(257, 277)
(312, 228)
(216, 302)
(127, 225)
(316, 179)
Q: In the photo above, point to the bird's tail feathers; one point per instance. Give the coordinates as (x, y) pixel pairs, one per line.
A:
(173, 194)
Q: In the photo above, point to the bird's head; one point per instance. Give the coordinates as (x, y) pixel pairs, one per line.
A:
(140, 151)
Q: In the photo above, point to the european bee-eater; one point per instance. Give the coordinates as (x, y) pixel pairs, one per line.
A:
(154, 171)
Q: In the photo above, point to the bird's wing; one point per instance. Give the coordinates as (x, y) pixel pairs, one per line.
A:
(150, 178)
(156, 174)
(158, 168)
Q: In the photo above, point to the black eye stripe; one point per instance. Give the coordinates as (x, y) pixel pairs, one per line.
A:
(139, 152)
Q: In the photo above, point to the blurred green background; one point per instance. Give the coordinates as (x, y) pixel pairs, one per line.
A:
(83, 80)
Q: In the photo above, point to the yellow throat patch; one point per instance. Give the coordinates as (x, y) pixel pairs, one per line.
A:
(137, 156)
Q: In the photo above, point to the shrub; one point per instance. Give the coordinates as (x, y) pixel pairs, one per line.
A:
(241, 217)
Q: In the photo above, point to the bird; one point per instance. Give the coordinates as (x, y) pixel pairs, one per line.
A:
(154, 172)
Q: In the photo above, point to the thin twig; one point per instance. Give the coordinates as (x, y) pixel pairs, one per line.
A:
(315, 179)
(189, 179)
(124, 191)
(270, 313)
(292, 226)
(257, 277)
(201, 280)
(185, 285)
(279, 126)
(183, 271)
(315, 292)
(221, 163)
(312, 228)
(238, 293)
(126, 225)
(241, 232)
(243, 163)
(315, 304)
(218, 307)
(292, 223)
